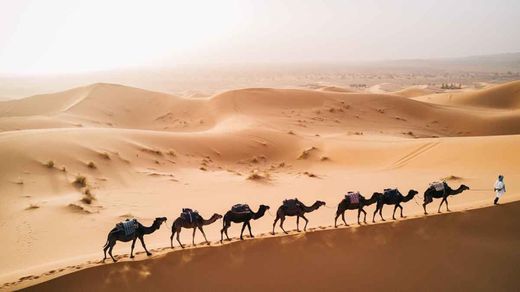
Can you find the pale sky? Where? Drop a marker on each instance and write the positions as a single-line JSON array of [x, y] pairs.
[[59, 36]]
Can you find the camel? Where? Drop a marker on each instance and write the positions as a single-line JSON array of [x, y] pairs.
[[118, 234], [242, 217], [199, 222], [392, 199], [431, 193], [298, 210], [346, 205]]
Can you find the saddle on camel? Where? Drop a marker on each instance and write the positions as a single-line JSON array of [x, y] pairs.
[[240, 208], [189, 215], [129, 226], [438, 186], [292, 204], [391, 192], [353, 197]]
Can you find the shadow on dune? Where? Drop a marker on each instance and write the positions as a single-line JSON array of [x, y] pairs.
[[475, 250]]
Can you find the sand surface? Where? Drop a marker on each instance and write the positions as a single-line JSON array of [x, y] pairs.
[[450, 252], [148, 154]]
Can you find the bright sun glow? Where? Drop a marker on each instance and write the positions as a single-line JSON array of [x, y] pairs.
[[61, 36], [54, 36]]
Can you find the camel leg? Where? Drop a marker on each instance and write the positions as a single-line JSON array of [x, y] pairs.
[[306, 221], [224, 229], [242, 231], [447, 208], [395, 208], [274, 223], [358, 213], [424, 207], [105, 250], [298, 223], [442, 201], [204, 234], [374, 217], [228, 224], [178, 240], [171, 238], [365, 216], [132, 250], [144, 246], [110, 251], [193, 237], [343, 218], [249, 227], [282, 219], [381, 212], [401, 207], [336, 219]]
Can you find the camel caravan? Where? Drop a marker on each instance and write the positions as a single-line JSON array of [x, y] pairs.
[[131, 230]]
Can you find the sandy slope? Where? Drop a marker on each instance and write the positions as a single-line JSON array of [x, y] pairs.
[[151, 154], [414, 91], [502, 96], [451, 252]]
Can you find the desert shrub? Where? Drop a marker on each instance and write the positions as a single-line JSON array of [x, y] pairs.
[[80, 181], [88, 197], [105, 155]]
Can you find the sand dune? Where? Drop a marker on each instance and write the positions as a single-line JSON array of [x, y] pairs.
[[502, 96], [89, 157], [444, 253], [336, 89], [106, 105], [414, 91]]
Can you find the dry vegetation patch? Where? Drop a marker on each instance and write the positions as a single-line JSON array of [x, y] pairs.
[[80, 181]]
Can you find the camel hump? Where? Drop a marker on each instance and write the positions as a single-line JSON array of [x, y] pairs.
[[129, 226], [438, 186], [291, 203], [240, 208], [390, 192], [353, 197], [189, 215]]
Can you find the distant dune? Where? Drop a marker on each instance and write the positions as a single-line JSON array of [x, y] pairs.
[[502, 96], [414, 91]]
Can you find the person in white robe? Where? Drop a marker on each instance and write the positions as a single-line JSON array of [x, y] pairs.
[[500, 188]]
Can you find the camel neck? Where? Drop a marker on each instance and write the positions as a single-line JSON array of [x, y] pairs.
[[209, 221], [408, 197], [259, 213], [150, 229], [311, 208]]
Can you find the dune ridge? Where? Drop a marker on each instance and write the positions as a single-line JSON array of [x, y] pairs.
[[502, 96], [457, 245], [116, 106], [89, 157]]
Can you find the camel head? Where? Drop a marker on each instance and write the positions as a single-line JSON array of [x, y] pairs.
[[217, 216], [158, 221], [319, 203], [261, 212], [464, 187], [412, 193], [264, 207]]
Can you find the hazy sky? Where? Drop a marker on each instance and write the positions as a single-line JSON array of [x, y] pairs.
[[53, 36]]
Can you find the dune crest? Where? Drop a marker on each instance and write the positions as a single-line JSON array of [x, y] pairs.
[[86, 158]]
